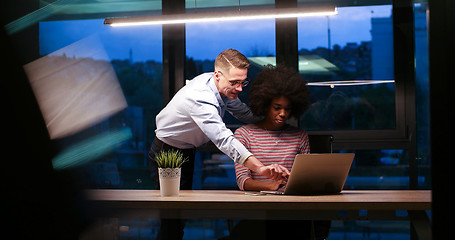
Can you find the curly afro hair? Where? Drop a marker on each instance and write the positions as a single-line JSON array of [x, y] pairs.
[[274, 82]]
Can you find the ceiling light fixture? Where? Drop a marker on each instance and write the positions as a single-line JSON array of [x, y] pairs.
[[222, 16], [333, 84]]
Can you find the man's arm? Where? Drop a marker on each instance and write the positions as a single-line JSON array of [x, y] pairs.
[[242, 112], [275, 172]]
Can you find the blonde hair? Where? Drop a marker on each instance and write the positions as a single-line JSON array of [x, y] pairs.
[[231, 58]]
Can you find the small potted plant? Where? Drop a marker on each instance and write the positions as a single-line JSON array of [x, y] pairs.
[[169, 168]]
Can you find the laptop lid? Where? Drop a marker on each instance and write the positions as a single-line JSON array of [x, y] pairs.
[[314, 174]]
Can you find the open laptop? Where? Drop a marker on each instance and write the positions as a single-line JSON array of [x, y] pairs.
[[315, 174]]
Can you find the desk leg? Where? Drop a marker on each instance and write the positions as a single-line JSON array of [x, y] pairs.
[[421, 224]]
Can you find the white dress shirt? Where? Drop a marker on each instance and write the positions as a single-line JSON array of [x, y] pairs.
[[194, 117]]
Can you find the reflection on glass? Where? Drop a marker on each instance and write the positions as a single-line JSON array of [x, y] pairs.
[[82, 58], [74, 89], [90, 149]]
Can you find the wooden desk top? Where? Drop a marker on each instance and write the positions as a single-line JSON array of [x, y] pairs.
[[238, 200]]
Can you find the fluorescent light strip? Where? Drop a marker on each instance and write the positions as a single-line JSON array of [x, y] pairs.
[[220, 16], [348, 83]]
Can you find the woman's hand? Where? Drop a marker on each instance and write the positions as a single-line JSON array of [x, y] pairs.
[[256, 185], [275, 171]]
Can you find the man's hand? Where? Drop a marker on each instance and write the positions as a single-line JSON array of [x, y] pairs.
[[275, 172]]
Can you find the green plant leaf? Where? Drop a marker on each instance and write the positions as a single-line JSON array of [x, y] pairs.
[[170, 159]]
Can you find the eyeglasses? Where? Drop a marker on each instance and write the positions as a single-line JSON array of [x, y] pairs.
[[237, 82]]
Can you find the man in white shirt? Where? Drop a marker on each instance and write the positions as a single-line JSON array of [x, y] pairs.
[[194, 116]]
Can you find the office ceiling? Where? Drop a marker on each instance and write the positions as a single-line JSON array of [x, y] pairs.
[[76, 9]]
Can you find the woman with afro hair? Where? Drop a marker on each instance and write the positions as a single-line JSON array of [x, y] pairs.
[[274, 82], [277, 93]]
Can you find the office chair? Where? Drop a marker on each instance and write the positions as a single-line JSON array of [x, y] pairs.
[[321, 143]]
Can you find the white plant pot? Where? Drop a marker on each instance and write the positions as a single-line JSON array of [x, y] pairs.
[[169, 181]]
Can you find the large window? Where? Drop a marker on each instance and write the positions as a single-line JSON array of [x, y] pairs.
[[348, 61]]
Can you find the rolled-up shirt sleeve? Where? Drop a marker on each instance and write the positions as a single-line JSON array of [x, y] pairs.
[[205, 114]]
